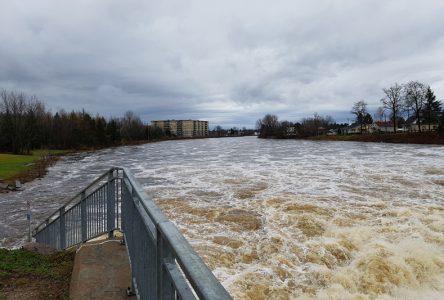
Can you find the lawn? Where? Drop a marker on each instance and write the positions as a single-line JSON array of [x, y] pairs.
[[11, 165], [30, 275]]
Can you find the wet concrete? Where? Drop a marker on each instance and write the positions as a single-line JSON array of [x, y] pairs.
[[101, 271]]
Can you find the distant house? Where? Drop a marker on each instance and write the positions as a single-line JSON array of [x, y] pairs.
[[381, 126], [413, 126], [354, 128], [332, 132], [321, 130], [290, 131]]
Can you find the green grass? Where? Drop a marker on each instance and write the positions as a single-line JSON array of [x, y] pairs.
[[11, 164], [24, 262], [21, 268]]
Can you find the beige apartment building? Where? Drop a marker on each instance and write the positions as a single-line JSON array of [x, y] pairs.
[[183, 128]]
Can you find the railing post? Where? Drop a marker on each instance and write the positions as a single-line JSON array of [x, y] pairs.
[[165, 289], [62, 228], [83, 217], [111, 205], [46, 233]]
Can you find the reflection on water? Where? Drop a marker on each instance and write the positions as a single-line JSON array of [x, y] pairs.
[[282, 219]]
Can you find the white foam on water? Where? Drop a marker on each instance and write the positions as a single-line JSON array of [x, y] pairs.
[[292, 219]]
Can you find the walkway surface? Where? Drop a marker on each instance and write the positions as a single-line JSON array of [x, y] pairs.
[[101, 271]]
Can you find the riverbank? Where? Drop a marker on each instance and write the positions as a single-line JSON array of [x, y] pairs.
[[28, 274], [25, 168], [400, 138]]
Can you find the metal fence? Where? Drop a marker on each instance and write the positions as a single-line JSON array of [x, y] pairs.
[[163, 263]]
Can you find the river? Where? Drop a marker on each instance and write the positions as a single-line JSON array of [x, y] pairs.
[[280, 219]]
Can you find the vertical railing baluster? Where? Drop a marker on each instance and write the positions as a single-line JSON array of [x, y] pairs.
[[67, 226], [99, 215], [94, 214], [62, 228], [83, 216], [46, 231], [165, 288], [110, 205]]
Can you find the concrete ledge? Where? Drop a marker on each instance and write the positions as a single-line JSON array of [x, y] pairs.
[[101, 271]]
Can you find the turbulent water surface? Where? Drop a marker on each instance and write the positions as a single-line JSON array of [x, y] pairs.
[[277, 219]]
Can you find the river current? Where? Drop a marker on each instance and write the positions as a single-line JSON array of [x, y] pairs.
[[280, 219]]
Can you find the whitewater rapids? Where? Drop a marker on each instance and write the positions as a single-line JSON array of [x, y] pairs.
[[278, 219]]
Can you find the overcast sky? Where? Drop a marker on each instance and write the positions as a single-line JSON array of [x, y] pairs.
[[229, 62]]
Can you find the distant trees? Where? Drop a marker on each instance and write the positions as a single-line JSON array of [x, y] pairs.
[[269, 126], [393, 102], [415, 98], [26, 125], [368, 120], [131, 127], [218, 131], [315, 125], [431, 109], [380, 114], [20, 121], [363, 118], [441, 124], [154, 133]]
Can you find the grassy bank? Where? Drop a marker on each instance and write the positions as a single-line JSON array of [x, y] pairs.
[[29, 275], [27, 167], [404, 138]]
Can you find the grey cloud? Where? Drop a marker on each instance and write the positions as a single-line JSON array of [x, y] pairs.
[[229, 62]]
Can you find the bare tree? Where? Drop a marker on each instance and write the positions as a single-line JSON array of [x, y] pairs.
[[415, 98], [360, 111], [269, 126], [380, 114], [393, 102], [14, 111], [132, 127], [315, 125]]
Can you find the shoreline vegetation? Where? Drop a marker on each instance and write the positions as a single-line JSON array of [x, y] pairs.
[[26, 126], [25, 168], [400, 138], [35, 272], [409, 113], [325, 129]]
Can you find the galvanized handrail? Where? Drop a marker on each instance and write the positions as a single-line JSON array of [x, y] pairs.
[[163, 263]]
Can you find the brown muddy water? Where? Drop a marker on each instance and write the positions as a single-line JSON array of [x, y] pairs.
[[281, 219]]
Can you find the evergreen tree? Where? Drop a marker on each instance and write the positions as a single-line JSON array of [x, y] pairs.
[[113, 131], [432, 107], [441, 124], [368, 120]]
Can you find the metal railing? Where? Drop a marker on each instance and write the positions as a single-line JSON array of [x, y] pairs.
[[163, 263]]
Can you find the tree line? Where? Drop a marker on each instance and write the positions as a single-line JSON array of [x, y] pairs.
[[400, 102], [218, 131], [270, 127], [413, 100], [26, 124]]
